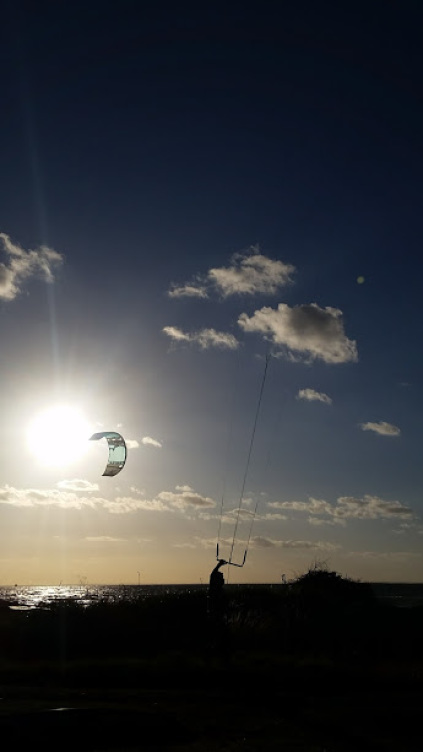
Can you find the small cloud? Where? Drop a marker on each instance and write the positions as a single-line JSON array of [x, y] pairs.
[[249, 273], [312, 506], [370, 508], [131, 443], [176, 334], [310, 395], [400, 556], [103, 539], [21, 265], [129, 504], [307, 329], [184, 497], [347, 507], [77, 484], [205, 338], [382, 428], [138, 491], [261, 542], [147, 440], [188, 291]]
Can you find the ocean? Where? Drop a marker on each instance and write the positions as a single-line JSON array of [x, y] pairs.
[[405, 595]]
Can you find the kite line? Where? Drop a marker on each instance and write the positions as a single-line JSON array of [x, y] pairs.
[[244, 480]]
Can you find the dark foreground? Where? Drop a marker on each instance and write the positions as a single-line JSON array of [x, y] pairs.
[[294, 671]]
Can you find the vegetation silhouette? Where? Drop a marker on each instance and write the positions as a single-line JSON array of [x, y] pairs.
[[316, 663]]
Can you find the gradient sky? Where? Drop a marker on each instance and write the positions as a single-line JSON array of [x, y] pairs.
[[185, 191]]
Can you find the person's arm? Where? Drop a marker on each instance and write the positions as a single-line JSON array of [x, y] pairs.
[[220, 563]]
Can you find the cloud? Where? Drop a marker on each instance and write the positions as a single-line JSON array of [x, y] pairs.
[[31, 497], [311, 395], [205, 338], [394, 555], [193, 290], [348, 507], [129, 504], [261, 542], [147, 440], [77, 484], [21, 265], [103, 539], [249, 273], [317, 332], [138, 491], [370, 508], [131, 443], [184, 497], [382, 428], [312, 506]]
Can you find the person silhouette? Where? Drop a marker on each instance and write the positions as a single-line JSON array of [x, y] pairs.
[[216, 585], [219, 643]]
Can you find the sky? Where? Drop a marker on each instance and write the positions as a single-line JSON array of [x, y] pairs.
[[211, 243]]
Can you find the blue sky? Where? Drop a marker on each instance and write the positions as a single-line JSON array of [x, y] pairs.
[[184, 193]]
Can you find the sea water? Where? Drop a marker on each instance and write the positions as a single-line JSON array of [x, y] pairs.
[[32, 597]]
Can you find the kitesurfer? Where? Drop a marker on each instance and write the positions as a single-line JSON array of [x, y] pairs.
[[219, 643], [216, 585]]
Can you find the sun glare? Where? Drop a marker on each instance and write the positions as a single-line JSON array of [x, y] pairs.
[[59, 436]]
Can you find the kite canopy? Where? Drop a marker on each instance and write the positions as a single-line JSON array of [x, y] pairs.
[[117, 451]]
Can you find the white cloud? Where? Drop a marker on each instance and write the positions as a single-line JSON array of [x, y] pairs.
[[184, 497], [370, 508], [77, 484], [382, 428], [21, 265], [176, 334], [309, 329], [312, 506], [347, 507], [103, 539], [147, 440], [132, 443], [31, 497], [205, 338], [193, 290], [249, 273], [138, 491], [310, 395], [129, 504]]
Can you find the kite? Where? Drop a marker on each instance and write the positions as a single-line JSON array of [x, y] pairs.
[[117, 451]]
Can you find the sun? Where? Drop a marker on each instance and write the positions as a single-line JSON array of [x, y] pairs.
[[59, 436]]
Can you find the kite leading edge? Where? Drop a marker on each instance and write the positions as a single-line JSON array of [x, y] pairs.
[[117, 451]]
